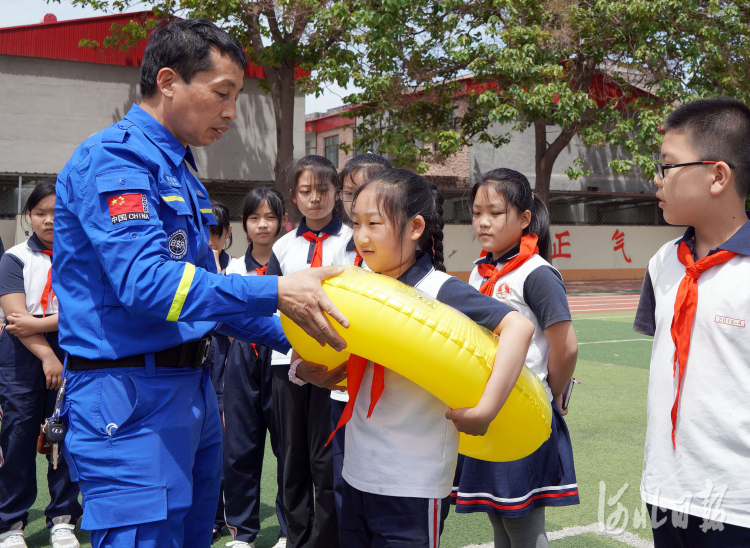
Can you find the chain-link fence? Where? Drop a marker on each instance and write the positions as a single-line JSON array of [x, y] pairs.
[[573, 208], [9, 189]]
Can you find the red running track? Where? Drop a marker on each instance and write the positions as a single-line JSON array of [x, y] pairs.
[[603, 302]]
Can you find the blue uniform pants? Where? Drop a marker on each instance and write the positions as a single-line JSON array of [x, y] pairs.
[[26, 403], [337, 445], [217, 357], [145, 447], [380, 521], [248, 413]]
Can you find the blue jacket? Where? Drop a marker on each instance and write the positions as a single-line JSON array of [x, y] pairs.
[[132, 269]]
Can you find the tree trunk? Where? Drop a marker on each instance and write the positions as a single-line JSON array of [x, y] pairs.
[[542, 164], [546, 154], [284, 113]]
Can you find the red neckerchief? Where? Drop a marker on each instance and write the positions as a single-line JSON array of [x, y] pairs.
[[684, 312], [310, 236], [528, 248], [358, 259], [260, 271], [355, 371], [48, 294]]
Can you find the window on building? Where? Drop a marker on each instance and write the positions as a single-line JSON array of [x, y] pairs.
[[332, 149], [453, 121], [311, 145]]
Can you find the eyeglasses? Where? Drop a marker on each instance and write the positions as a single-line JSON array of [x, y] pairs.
[[661, 168], [346, 196]]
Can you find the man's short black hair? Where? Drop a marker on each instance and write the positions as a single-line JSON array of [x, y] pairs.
[[184, 45], [717, 129]]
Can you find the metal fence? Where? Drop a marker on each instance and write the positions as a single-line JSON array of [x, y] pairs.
[[565, 208], [11, 188], [573, 208]]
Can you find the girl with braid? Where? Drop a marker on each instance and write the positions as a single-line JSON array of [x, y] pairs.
[[513, 228], [399, 463]]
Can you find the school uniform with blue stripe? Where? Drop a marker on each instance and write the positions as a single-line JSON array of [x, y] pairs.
[[547, 476], [248, 413], [27, 402]]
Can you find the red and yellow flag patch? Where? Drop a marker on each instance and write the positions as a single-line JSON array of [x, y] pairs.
[[128, 207]]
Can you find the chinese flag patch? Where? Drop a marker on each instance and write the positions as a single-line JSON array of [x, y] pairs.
[[128, 207]]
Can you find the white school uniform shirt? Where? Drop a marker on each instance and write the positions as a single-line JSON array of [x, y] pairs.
[[407, 448], [24, 269], [537, 291], [244, 266], [292, 253], [708, 475]]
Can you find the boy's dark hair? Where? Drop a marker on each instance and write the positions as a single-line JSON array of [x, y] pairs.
[[368, 165], [515, 189], [323, 172], [717, 129], [402, 195], [221, 212], [255, 198], [184, 45], [42, 190]]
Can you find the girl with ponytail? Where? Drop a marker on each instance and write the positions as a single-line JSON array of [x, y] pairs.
[[512, 225], [401, 441]]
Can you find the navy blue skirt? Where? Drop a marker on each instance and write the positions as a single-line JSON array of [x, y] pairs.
[[513, 489]]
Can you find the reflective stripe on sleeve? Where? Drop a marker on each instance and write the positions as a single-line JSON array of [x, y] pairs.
[[174, 199], [208, 210], [181, 294]]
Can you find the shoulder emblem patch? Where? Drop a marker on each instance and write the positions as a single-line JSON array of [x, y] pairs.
[[128, 207], [178, 244]]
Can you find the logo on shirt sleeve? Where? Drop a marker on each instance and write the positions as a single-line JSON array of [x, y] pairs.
[[128, 207], [178, 244]]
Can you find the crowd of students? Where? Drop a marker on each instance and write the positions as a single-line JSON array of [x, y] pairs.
[[392, 469]]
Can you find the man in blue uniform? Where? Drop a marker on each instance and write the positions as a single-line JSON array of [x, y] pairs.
[[138, 294]]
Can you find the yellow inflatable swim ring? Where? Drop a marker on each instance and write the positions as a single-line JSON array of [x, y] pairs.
[[436, 347]]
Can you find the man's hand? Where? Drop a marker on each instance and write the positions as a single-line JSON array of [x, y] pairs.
[[53, 372], [319, 375], [23, 325], [302, 299]]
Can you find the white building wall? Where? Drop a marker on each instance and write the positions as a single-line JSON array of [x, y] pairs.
[[49, 107]]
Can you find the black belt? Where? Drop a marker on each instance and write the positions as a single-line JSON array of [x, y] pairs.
[[190, 354]]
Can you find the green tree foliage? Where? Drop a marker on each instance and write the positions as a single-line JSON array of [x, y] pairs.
[[279, 36], [541, 64]]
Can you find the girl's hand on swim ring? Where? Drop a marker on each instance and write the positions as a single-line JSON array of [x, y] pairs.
[[469, 420], [319, 375]]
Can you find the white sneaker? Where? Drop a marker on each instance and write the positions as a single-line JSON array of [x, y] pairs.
[[61, 536], [281, 543], [12, 539], [241, 544]]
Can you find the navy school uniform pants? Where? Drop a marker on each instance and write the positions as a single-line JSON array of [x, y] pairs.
[[379, 521], [303, 421], [26, 403], [217, 357], [672, 532], [248, 413], [145, 446], [337, 446]]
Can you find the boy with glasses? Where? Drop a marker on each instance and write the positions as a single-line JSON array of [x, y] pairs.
[[695, 304]]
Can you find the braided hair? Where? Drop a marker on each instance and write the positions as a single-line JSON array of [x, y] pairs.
[[402, 195]]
